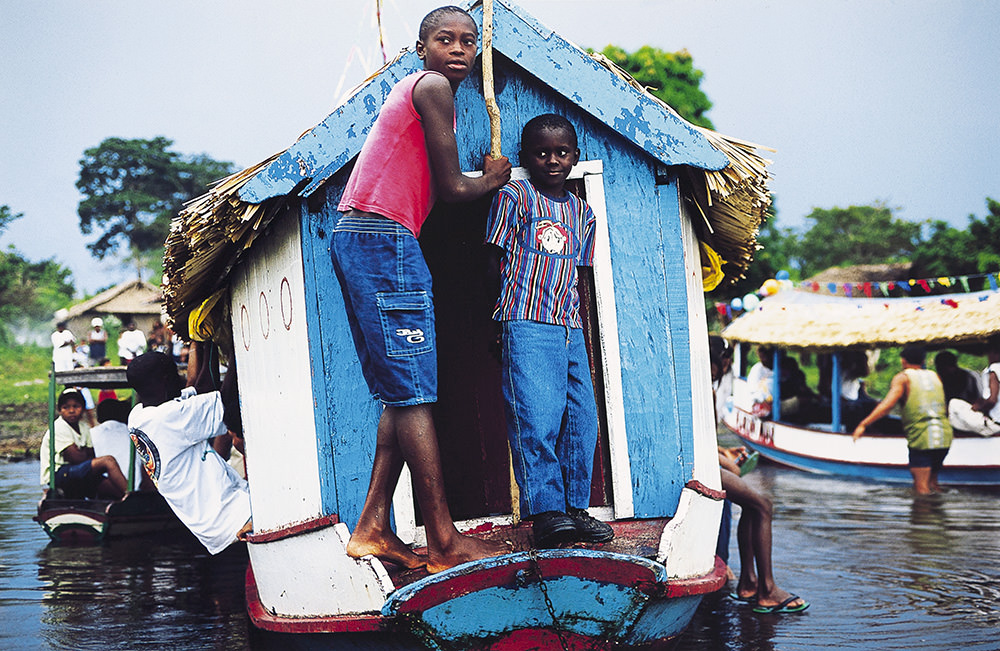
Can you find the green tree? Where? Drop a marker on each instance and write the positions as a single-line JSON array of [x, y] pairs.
[[133, 188], [29, 291], [671, 76], [841, 237], [949, 251]]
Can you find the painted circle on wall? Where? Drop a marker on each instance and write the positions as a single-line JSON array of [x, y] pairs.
[[245, 326], [265, 316], [285, 296]]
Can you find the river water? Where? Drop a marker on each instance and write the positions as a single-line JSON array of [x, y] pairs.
[[882, 571]]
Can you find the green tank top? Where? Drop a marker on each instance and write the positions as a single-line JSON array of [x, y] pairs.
[[925, 418]]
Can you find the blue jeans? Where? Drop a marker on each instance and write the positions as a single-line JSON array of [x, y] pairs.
[[551, 414], [390, 307]]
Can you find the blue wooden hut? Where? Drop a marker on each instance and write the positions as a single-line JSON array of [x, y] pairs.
[[257, 248]]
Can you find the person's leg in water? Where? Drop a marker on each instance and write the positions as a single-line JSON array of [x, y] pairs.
[[407, 433], [754, 537]]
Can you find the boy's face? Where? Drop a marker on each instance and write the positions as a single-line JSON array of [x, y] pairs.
[[71, 411], [549, 157], [450, 47]]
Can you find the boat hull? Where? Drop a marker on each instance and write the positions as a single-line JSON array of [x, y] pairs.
[[971, 461], [87, 522], [546, 599]]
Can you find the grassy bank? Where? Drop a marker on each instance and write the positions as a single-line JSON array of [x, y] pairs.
[[24, 395]]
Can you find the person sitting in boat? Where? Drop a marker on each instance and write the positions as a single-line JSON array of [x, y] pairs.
[[172, 427], [79, 473], [111, 437], [756, 584], [538, 234], [760, 380], [958, 382], [924, 418], [981, 415], [855, 403], [799, 403]]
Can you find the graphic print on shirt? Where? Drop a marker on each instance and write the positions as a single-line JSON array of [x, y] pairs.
[[147, 451], [551, 237]]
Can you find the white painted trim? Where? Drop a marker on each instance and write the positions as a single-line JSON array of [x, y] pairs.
[[607, 318], [705, 452]]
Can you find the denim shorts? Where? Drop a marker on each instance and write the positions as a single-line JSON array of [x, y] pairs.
[[932, 459], [75, 480], [390, 306]]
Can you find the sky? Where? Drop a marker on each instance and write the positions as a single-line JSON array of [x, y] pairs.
[[864, 101]]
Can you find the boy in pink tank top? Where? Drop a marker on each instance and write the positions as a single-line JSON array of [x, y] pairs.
[[409, 158]]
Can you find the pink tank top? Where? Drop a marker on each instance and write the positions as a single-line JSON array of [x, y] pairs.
[[392, 176]]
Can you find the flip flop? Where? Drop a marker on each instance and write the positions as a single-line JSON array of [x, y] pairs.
[[783, 607], [747, 600]]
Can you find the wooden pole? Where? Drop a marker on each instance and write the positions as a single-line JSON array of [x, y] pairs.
[[491, 102], [494, 112]]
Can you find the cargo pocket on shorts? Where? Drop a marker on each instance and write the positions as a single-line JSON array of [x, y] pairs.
[[407, 322]]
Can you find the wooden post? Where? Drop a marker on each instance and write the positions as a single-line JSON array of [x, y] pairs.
[[494, 112], [491, 102]]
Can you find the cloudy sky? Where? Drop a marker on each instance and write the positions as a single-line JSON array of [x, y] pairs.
[[864, 100]]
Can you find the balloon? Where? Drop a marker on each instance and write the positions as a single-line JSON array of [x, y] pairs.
[[771, 286], [786, 284], [750, 302], [781, 275], [736, 303]]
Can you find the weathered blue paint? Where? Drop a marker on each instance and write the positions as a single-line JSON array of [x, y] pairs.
[[645, 242], [583, 606], [661, 619], [561, 65], [345, 413], [570, 72]]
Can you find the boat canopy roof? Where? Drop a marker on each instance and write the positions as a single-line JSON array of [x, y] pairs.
[[799, 319]]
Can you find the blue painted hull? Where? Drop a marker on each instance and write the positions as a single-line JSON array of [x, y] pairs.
[[572, 598]]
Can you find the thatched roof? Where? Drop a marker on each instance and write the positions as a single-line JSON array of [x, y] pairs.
[[208, 237], [796, 319], [129, 297], [862, 273]]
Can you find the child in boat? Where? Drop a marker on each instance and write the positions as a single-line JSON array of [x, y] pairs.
[[172, 428], [540, 233], [79, 472], [409, 158]]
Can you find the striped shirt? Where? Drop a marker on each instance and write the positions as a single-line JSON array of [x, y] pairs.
[[544, 239]]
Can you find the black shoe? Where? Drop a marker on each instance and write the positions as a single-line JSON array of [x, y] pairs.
[[550, 528], [588, 528]]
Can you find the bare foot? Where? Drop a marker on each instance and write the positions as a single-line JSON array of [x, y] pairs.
[[385, 548], [462, 550]]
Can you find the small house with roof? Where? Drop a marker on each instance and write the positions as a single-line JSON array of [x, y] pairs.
[[663, 191], [137, 300]]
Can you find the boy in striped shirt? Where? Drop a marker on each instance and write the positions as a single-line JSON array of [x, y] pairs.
[[541, 233]]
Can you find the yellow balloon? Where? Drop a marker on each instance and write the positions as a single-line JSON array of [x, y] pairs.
[[771, 286]]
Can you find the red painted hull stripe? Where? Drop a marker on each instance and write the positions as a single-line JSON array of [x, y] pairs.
[[294, 529]]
